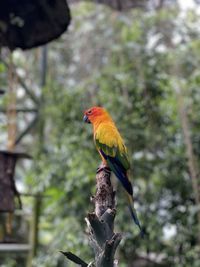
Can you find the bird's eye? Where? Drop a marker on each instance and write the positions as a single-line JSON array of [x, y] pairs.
[[89, 111]]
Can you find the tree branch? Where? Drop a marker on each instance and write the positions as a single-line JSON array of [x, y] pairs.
[[22, 83], [74, 258]]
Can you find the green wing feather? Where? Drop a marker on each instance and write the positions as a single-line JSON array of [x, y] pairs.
[[118, 163], [111, 143]]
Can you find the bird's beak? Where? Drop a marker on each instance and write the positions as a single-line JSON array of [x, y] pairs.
[[85, 119]]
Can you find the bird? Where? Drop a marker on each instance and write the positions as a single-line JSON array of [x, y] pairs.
[[112, 150]]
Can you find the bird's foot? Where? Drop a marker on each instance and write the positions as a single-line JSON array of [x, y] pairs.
[[103, 168]]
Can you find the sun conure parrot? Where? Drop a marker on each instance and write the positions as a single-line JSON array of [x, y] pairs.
[[112, 150]]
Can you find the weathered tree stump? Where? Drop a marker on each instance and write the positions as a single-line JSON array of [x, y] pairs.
[[100, 223]]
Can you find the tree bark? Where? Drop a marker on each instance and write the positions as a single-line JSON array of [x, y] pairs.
[[103, 240]]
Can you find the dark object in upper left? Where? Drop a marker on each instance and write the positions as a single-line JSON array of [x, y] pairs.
[[29, 23]]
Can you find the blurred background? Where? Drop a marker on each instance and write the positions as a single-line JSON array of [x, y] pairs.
[[141, 61]]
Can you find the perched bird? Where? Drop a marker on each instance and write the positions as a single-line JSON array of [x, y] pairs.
[[112, 150]]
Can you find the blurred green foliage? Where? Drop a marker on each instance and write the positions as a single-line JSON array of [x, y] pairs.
[[129, 64]]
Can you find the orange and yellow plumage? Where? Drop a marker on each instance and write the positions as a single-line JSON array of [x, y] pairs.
[[112, 149]]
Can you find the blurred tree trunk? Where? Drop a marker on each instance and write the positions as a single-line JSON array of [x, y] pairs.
[[178, 81], [34, 239], [192, 161]]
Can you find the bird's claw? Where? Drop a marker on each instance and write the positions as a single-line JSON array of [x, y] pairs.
[[104, 168]]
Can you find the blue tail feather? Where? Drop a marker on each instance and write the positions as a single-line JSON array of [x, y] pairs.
[[119, 171], [136, 220], [134, 215]]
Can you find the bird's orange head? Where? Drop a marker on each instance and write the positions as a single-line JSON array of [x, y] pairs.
[[95, 114]]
